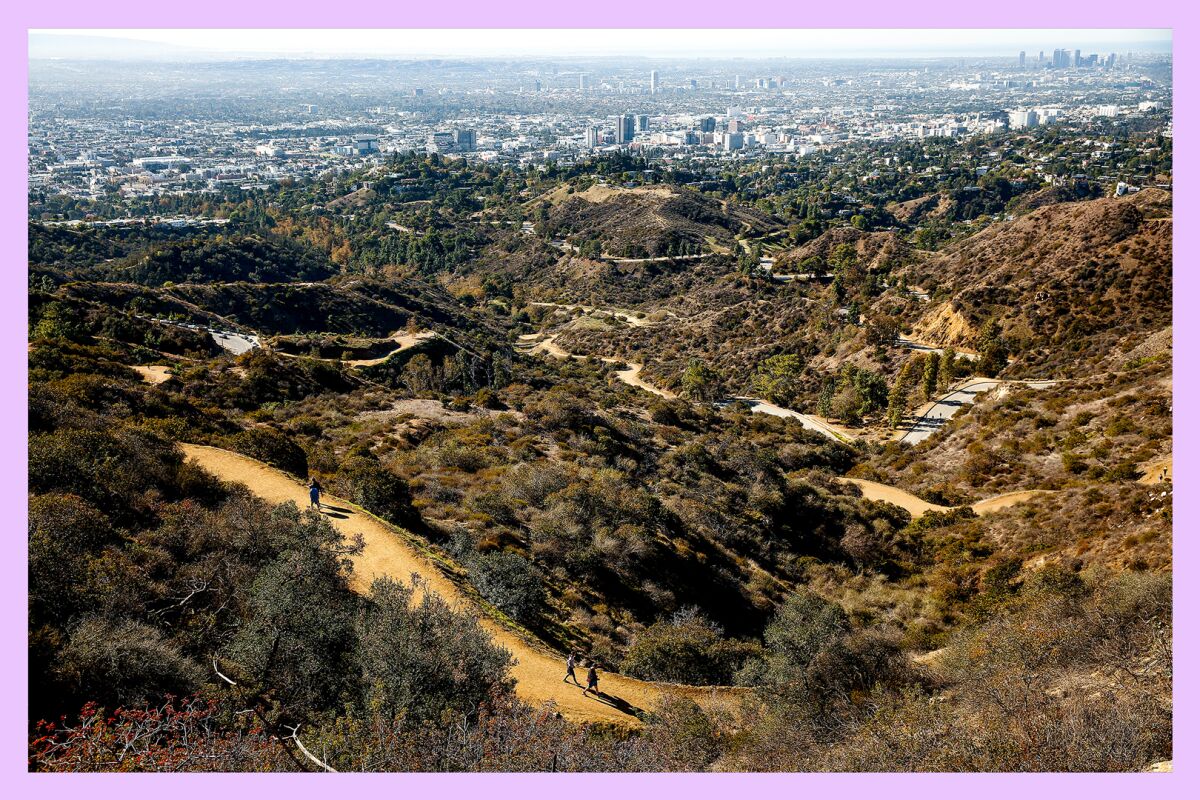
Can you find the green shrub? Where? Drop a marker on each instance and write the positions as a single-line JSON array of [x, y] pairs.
[[686, 649], [510, 582], [270, 445]]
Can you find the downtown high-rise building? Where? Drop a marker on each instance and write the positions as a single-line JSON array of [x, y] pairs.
[[653, 81], [643, 122], [583, 80], [464, 140], [624, 124], [591, 137], [1021, 60]]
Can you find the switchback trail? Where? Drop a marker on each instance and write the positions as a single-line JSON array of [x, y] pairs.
[[388, 553], [629, 375], [402, 340], [918, 507], [534, 343]]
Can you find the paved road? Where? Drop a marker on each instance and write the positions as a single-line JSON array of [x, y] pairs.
[[921, 347], [234, 342], [935, 414]]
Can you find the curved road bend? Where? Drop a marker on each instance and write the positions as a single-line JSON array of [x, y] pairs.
[[938, 413]]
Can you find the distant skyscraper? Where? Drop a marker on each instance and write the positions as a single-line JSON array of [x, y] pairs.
[[692, 84], [624, 123], [591, 137], [643, 122], [708, 125], [653, 81], [583, 80], [1078, 61], [1021, 60], [537, 85], [464, 141], [1041, 56], [737, 81]]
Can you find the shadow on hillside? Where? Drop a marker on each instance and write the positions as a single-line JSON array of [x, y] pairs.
[[616, 702]]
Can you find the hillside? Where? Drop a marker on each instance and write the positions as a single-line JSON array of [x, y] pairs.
[[878, 251], [1066, 282], [592, 425], [651, 221], [252, 259]]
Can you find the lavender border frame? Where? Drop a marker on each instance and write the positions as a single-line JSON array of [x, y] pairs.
[[609, 14]]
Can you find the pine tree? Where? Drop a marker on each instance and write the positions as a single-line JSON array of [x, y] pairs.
[[898, 396], [929, 380], [947, 370]]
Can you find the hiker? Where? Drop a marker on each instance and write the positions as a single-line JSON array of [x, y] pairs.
[[593, 681], [571, 670], [314, 494]]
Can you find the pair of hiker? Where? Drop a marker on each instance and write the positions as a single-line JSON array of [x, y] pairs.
[[314, 494], [593, 679]]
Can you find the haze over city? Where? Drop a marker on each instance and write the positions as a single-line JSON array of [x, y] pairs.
[[469, 43]]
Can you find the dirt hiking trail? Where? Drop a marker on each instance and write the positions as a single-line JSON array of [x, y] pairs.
[[918, 507], [538, 671], [153, 374]]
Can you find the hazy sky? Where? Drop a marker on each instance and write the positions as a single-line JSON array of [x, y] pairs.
[[749, 43]]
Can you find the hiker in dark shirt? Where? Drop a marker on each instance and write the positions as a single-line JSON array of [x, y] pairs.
[[593, 681], [314, 494]]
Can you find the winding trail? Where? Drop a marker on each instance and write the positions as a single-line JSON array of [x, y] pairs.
[[403, 342], [918, 507], [391, 552], [807, 421], [631, 375], [625, 316]]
